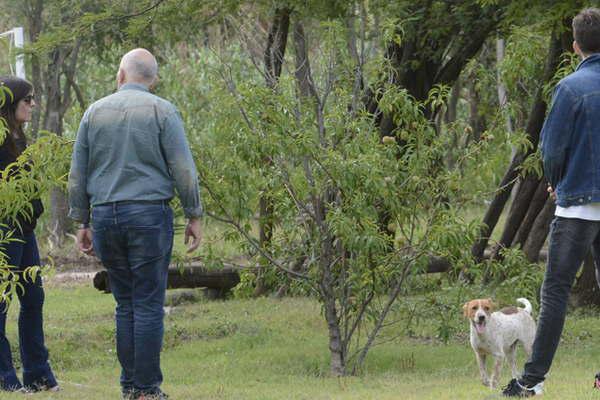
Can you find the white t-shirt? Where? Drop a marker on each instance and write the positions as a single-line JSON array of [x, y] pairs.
[[588, 212]]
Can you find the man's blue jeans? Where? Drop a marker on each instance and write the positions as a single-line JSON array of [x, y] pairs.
[[134, 242], [34, 355], [570, 240]]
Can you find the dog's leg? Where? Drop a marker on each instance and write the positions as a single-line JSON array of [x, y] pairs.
[[481, 361], [512, 359], [498, 359], [528, 343]]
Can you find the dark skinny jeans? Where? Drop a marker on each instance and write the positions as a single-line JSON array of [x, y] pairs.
[[570, 241]]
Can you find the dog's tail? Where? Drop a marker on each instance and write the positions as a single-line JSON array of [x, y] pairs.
[[526, 303]]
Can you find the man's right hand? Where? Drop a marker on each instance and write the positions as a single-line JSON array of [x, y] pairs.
[[193, 231], [84, 241]]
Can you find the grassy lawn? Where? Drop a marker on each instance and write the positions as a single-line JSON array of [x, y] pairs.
[[276, 349]]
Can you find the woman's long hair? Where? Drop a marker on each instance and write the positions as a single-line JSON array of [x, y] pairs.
[[18, 90]]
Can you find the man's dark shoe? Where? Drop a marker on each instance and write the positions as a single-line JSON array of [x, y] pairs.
[[518, 389], [597, 381]]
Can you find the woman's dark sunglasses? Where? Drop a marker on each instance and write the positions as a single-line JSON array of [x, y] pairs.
[[28, 99]]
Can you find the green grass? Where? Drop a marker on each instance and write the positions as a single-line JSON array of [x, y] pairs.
[[266, 349]]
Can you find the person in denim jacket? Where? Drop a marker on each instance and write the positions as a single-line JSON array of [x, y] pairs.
[[130, 155], [570, 146]]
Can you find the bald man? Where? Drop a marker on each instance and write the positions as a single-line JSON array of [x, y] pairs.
[[130, 155]]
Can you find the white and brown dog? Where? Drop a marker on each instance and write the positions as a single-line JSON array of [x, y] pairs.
[[498, 333]]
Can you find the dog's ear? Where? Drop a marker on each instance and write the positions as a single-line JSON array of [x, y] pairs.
[[491, 304], [466, 309]]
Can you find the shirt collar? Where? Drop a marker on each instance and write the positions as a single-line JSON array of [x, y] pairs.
[[592, 59], [134, 86]]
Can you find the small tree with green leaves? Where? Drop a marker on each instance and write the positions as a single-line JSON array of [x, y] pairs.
[[330, 173]]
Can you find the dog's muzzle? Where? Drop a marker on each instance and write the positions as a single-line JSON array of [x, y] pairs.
[[480, 324]]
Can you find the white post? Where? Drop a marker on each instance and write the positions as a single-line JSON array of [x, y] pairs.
[[19, 43]]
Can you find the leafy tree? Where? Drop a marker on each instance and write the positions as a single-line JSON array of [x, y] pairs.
[[328, 171]]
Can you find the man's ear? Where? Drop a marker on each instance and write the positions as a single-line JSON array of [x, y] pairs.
[[120, 77], [154, 83]]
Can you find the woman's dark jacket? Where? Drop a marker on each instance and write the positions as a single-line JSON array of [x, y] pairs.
[[26, 223]]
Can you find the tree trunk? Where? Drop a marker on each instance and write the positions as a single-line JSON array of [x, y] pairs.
[[586, 291], [337, 347], [273, 62], [53, 122], [451, 112], [492, 215], [535, 207], [517, 213], [276, 44], [502, 94], [222, 280], [34, 22], [476, 120], [539, 231]]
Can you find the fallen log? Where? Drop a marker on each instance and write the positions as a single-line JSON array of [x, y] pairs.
[[218, 283], [439, 264]]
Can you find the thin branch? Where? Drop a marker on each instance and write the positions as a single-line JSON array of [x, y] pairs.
[[229, 220], [142, 12]]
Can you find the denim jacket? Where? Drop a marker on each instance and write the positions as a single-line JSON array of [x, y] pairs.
[[131, 146], [570, 137]]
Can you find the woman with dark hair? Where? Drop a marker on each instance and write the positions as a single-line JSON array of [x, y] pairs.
[[37, 374]]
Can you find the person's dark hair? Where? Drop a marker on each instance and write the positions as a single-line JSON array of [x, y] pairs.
[[586, 30], [18, 90]]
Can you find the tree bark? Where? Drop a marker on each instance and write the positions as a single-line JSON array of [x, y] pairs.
[[222, 280], [586, 291], [535, 207], [501, 88], [306, 90], [276, 44], [62, 63], [53, 122], [451, 112], [273, 62], [517, 212], [303, 74], [492, 215], [476, 120], [34, 27], [337, 346], [539, 231]]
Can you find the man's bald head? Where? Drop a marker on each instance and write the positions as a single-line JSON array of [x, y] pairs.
[[138, 66]]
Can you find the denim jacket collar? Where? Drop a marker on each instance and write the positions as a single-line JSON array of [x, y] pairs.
[[588, 61], [139, 86]]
